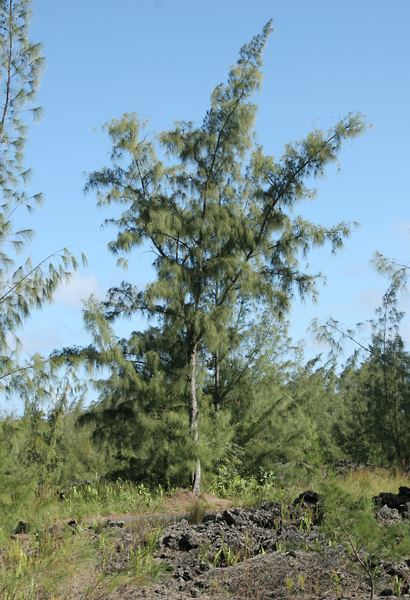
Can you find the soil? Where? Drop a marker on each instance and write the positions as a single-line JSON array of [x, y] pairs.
[[184, 500], [262, 553]]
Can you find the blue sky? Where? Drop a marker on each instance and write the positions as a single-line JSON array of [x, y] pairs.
[[161, 59]]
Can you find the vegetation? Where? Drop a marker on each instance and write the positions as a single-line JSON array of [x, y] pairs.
[[374, 385], [213, 386], [212, 394], [60, 561], [57, 563], [220, 220], [29, 445], [351, 521], [23, 286]]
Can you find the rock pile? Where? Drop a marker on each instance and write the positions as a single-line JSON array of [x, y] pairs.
[[226, 538], [393, 507]]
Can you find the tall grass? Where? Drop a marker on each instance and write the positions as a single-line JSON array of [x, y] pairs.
[[101, 499], [111, 498], [44, 567], [283, 488], [366, 483], [60, 564]]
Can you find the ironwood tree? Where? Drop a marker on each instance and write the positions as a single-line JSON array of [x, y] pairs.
[[220, 217], [23, 285], [373, 388]]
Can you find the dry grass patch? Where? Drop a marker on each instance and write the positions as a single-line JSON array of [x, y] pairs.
[[366, 483]]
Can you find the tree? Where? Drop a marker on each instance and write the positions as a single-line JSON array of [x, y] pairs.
[[374, 385], [351, 522], [219, 219], [28, 446], [138, 420], [24, 286]]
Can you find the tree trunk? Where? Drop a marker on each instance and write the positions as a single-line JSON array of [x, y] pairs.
[[193, 420], [217, 382]]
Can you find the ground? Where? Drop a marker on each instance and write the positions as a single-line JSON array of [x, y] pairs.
[[204, 549]]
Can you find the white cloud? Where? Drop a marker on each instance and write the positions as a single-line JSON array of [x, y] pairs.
[[78, 288]]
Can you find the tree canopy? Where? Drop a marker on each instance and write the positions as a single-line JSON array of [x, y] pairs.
[[219, 216]]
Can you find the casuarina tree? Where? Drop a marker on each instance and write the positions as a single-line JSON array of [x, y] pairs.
[[373, 424], [220, 217], [24, 285]]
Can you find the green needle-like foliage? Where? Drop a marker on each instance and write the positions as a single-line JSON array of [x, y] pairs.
[[28, 449], [353, 524], [24, 285], [219, 216], [374, 392]]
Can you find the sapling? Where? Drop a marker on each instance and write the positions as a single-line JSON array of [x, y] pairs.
[[352, 523]]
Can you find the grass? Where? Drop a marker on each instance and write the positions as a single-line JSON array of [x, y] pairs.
[[143, 567], [111, 498], [82, 501], [366, 483], [197, 511], [57, 563], [349, 520], [45, 566], [61, 565], [363, 483], [53, 563]]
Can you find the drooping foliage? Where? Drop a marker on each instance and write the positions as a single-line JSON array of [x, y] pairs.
[[374, 387], [23, 285], [28, 445], [213, 383], [219, 217]]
